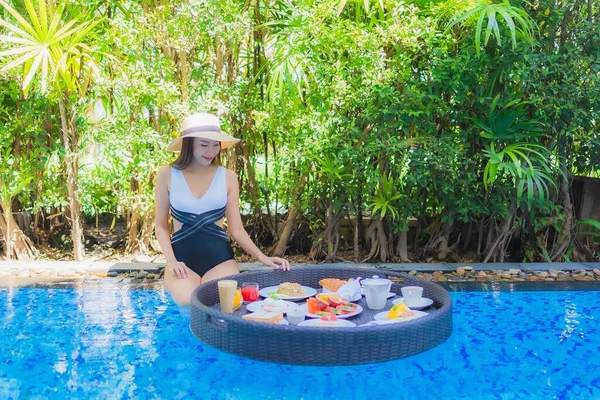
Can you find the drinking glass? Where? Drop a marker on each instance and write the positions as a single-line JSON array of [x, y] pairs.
[[227, 289], [250, 291]]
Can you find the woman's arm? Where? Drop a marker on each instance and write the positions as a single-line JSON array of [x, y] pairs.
[[161, 223], [236, 227]]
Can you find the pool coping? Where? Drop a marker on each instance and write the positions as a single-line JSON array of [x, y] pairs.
[[149, 274]]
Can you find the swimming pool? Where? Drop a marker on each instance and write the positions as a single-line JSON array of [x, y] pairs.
[[106, 341]]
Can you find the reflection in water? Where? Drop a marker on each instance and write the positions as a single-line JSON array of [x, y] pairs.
[[571, 321]]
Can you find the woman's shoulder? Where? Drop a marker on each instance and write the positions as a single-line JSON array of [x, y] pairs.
[[165, 169], [229, 172], [164, 173], [230, 177]]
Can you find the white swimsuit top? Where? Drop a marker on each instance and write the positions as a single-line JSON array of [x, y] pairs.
[[181, 197]]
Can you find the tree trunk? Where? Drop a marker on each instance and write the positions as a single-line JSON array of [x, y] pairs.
[[132, 240], [288, 227], [72, 162], [565, 237], [402, 246], [326, 242], [376, 237], [496, 249], [17, 244], [290, 222], [356, 240], [439, 241]]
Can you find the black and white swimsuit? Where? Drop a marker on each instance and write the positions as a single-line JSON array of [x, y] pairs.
[[200, 243]]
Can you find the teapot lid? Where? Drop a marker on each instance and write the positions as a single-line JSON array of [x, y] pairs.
[[375, 281]]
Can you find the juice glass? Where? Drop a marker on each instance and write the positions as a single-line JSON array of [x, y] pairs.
[[227, 289], [250, 291]]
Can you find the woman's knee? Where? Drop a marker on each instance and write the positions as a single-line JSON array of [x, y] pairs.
[[181, 289]]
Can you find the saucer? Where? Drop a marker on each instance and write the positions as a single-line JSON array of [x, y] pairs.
[[423, 303]]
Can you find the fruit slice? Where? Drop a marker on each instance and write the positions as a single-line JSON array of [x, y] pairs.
[[394, 312], [335, 299], [399, 310], [324, 314], [312, 305], [346, 309], [322, 303]]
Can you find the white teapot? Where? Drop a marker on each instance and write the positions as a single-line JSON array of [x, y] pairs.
[[376, 291]]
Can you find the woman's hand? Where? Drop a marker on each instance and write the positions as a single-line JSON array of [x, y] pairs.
[[179, 269], [276, 262]]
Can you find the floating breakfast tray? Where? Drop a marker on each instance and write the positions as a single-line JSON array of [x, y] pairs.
[[306, 345]]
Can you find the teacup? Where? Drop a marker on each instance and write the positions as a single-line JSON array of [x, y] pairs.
[[412, 294], [294, 317]]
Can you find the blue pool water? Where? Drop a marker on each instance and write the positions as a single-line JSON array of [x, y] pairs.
[[107, 342]]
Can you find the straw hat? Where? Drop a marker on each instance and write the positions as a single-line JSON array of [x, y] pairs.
[[202, 125]]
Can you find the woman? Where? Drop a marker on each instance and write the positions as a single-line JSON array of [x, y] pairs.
[[199, 193]]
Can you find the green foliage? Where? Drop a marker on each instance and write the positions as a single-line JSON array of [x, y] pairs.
[[591, 223], [516, 19], [385, 108], [384, 199], [50, 44]]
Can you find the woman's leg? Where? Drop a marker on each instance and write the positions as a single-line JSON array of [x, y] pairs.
[[181, 289], [226, 268]]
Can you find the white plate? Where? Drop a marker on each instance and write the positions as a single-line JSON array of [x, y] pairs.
[[357, 311], [382, 316], [389, 296], [356, 298], [283, 322], [308, 292], [340, 323], [423, 303], [257, 306]]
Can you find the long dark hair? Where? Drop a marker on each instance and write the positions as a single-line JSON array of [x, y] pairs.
[[186, 155]]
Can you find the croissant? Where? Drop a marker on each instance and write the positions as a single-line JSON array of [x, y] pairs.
[[332, 284]]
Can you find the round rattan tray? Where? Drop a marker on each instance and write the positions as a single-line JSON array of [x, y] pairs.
[[290, 344]]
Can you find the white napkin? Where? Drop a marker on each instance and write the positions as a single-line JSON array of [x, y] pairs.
[[351, 290]]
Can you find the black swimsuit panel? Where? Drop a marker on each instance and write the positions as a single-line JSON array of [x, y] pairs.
[[202, 251], [200, 243]]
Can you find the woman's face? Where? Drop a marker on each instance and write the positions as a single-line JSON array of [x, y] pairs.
[[205, 150]]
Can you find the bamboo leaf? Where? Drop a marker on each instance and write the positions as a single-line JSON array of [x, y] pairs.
[[19, 32], [341, 6], [20, 60], [591, 222], [511, 25], [478, 33], [26, 25], [33, 69], [530, 191], [18, 50], [490, 26], [39, 32]]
